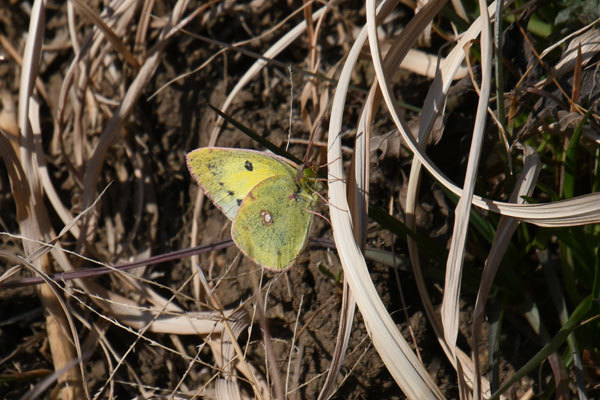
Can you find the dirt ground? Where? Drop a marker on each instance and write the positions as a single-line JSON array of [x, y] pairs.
[[302, 304]]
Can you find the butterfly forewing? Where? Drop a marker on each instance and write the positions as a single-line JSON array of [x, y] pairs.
[[228, 175]]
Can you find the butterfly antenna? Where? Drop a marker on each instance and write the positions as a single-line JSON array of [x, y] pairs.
[[327, 203], [327, 164]]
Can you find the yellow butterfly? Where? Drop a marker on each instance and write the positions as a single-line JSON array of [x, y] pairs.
[[269, 203]]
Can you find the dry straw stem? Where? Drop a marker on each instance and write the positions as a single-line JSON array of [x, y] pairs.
[[110, 35], [506, 227], [454, 265], [35, 223], [426, 64], [272, 52]]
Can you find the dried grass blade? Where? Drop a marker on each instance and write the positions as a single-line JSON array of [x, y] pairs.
[[450, 305], [341, 343], [111, 36], [272, 52], [35, 223], [357, 196], [113, 127], [506, 227], [357, 193], [254, 378], [396, 353], [580, 210], [226, 389], [454, 60]]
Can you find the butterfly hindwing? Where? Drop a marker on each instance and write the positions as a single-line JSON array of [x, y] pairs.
[[273, 222]]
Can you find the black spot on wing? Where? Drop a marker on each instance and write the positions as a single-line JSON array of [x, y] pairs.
[[231, 193], [239, 202], [248, 165]]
